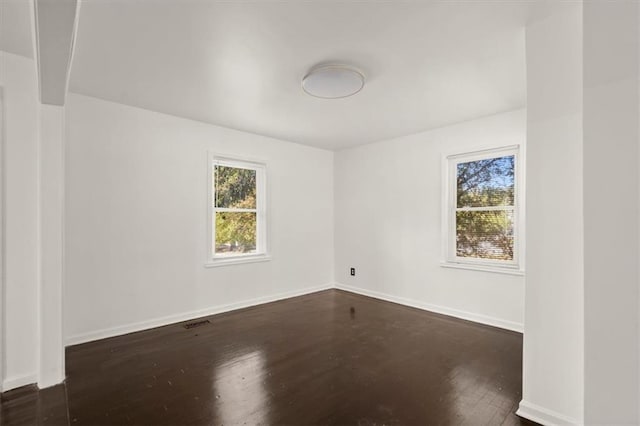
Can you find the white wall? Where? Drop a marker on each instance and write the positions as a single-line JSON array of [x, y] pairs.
[[611, 212], [51, 263], [136, 210], [388, 223], [19, 84], [553, 385]]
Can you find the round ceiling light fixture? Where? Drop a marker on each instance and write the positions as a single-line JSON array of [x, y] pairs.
[[333, 81]]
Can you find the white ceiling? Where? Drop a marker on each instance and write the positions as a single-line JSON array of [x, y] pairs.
[[239, 64], [15, 27]]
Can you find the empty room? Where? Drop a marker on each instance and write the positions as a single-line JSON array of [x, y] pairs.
[[343, 212]]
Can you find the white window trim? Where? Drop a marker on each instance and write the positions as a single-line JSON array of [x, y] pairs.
[[262, 254], [449, 175]]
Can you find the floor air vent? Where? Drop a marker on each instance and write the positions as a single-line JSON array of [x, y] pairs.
[[195, 324]]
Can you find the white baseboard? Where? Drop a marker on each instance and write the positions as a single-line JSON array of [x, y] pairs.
[[171, 319], [543, 416], [19, 381], [51, 378], [470, 316]]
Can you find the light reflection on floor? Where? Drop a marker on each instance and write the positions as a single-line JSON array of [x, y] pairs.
[[240, 392]]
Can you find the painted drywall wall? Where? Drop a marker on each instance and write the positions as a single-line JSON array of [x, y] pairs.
[[553, 386], [388, 223], [51, 262], [136, 212], [611, 212], [20, 171]]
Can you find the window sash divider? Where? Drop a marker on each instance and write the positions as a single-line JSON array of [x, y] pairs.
[[232, 210], [485, 209]]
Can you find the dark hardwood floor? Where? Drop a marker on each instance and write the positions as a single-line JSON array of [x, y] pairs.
[[329, 358]]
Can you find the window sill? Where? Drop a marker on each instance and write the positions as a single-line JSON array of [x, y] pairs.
[[237, 260], [483, 268]]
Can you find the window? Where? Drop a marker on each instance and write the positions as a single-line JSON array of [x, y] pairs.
[[237, 211], [483, 214]]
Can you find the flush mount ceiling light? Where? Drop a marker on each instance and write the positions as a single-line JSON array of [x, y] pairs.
[[333, 81]]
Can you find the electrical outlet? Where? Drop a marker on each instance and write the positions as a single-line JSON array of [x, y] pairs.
[[353, 272]]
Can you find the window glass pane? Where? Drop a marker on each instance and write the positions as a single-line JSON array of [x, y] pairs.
[[484, 234], [235, 233], [235, 187], [488, 182]]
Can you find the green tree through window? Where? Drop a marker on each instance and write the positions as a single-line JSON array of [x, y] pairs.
[[485, 203], [235, 203]]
